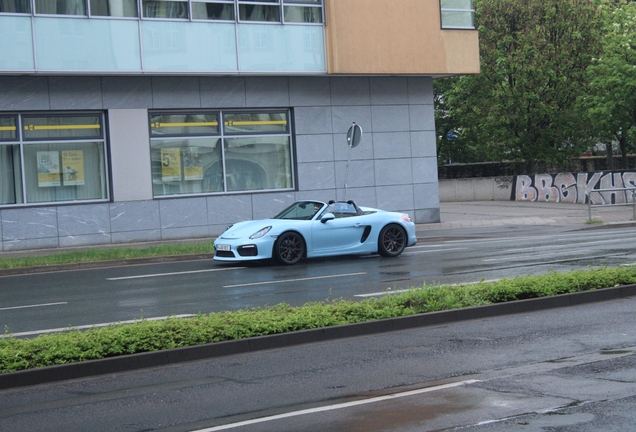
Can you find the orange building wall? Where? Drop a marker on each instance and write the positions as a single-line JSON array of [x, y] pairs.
[[396, 37]]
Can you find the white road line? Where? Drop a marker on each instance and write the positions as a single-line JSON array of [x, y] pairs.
[[34, 305], [294, 280], [336, 406], [174, 273], [84, 327]]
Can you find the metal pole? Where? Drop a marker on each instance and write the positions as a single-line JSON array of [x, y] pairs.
[[589, 208]]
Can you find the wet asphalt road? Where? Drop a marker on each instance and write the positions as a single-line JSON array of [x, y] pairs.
[[40, 302], [570, 369]]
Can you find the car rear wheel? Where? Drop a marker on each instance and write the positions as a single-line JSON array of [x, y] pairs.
[[289, 248], [392, 241]]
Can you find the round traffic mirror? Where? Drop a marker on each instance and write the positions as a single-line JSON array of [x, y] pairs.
[[354, 135]]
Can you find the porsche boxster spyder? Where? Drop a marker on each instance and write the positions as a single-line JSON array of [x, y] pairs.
[[308, 229]]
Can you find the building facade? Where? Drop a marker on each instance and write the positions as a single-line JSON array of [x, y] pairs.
[[133, 120]]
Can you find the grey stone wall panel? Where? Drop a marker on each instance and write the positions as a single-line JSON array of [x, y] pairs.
[[127, 92], [314, 148], [389, 90], [229, 209], [86, 219], [24, 93], [29, 224], [266, 92], [222, 92], [316, 175], [388, 145], [75, 93], [309, 91], [183, 212], [132, 216], [350, 91], [175, 92]]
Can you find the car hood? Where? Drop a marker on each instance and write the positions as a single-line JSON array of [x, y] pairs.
[[248, 228]]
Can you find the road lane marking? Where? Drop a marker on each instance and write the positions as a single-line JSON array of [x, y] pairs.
[[33, 306], [173, 273], [336, 406], [89, 326], [294, 280]]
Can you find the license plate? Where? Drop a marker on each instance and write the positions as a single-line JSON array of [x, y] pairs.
[[223, 247]]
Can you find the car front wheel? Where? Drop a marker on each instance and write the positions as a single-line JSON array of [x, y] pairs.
[[289, 248], [392, 241]]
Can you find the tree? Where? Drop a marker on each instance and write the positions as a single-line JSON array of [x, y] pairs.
[[612, 100], [524, 103]]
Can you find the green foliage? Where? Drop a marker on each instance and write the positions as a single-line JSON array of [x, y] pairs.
[[107, 254], [524, 105], [144, 336], [611, 101]]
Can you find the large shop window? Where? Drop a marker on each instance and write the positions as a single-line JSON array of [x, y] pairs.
[[457, 14], [220, 151], [47, 158]]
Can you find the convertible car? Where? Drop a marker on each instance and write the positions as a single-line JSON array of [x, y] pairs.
[[308, 229]]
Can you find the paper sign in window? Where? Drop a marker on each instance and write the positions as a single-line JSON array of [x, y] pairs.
[[170, 164], [48, 169], [192, 165], [73, 167]]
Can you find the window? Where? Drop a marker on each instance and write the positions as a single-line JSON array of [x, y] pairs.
[[264, 10], [64, 158], [15, 6], [213, 10], [217, 152], [457, 14], [114, 8], [164, 9], [299, 11], [60, 7]]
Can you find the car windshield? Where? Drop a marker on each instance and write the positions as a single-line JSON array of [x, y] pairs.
[[301, 210]]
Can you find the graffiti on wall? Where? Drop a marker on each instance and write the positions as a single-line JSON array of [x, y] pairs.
[[576, 187]]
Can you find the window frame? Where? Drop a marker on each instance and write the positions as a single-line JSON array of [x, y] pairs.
[[222, 136], [21, 190], [281, 5], [451, 27]]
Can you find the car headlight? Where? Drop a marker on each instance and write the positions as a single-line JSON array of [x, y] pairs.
[[260, 233], [230, 226]]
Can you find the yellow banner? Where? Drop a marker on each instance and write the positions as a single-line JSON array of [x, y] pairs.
[[73, 167], [170, 164]]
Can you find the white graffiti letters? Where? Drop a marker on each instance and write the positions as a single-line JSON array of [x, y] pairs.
[[576, 187]]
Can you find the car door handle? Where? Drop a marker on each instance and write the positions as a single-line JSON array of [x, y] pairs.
[[357, 225]]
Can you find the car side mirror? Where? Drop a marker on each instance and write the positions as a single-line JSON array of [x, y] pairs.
[[327, 217]]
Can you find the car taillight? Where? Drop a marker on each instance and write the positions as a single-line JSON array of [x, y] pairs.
[[406, 218]]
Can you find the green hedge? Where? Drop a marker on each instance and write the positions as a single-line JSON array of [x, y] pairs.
[[143, 336]]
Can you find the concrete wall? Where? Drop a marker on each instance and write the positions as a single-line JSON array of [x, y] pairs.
[[476, 189]]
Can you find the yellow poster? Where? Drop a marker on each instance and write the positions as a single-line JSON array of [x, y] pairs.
[[192, 167], [170, 164], [48, 168], [73, 167]]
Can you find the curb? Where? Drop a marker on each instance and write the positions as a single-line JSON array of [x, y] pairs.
[[132, 362]]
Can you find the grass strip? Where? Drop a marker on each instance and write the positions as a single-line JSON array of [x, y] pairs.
[[107, 254], [143, 336]]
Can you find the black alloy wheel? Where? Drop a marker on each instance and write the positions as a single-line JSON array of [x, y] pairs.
[[392, 241], [289, 248]]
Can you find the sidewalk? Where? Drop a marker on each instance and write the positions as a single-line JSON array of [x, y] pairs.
[[474, 214]]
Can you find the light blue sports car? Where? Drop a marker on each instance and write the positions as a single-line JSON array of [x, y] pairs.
[[308, 229]]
